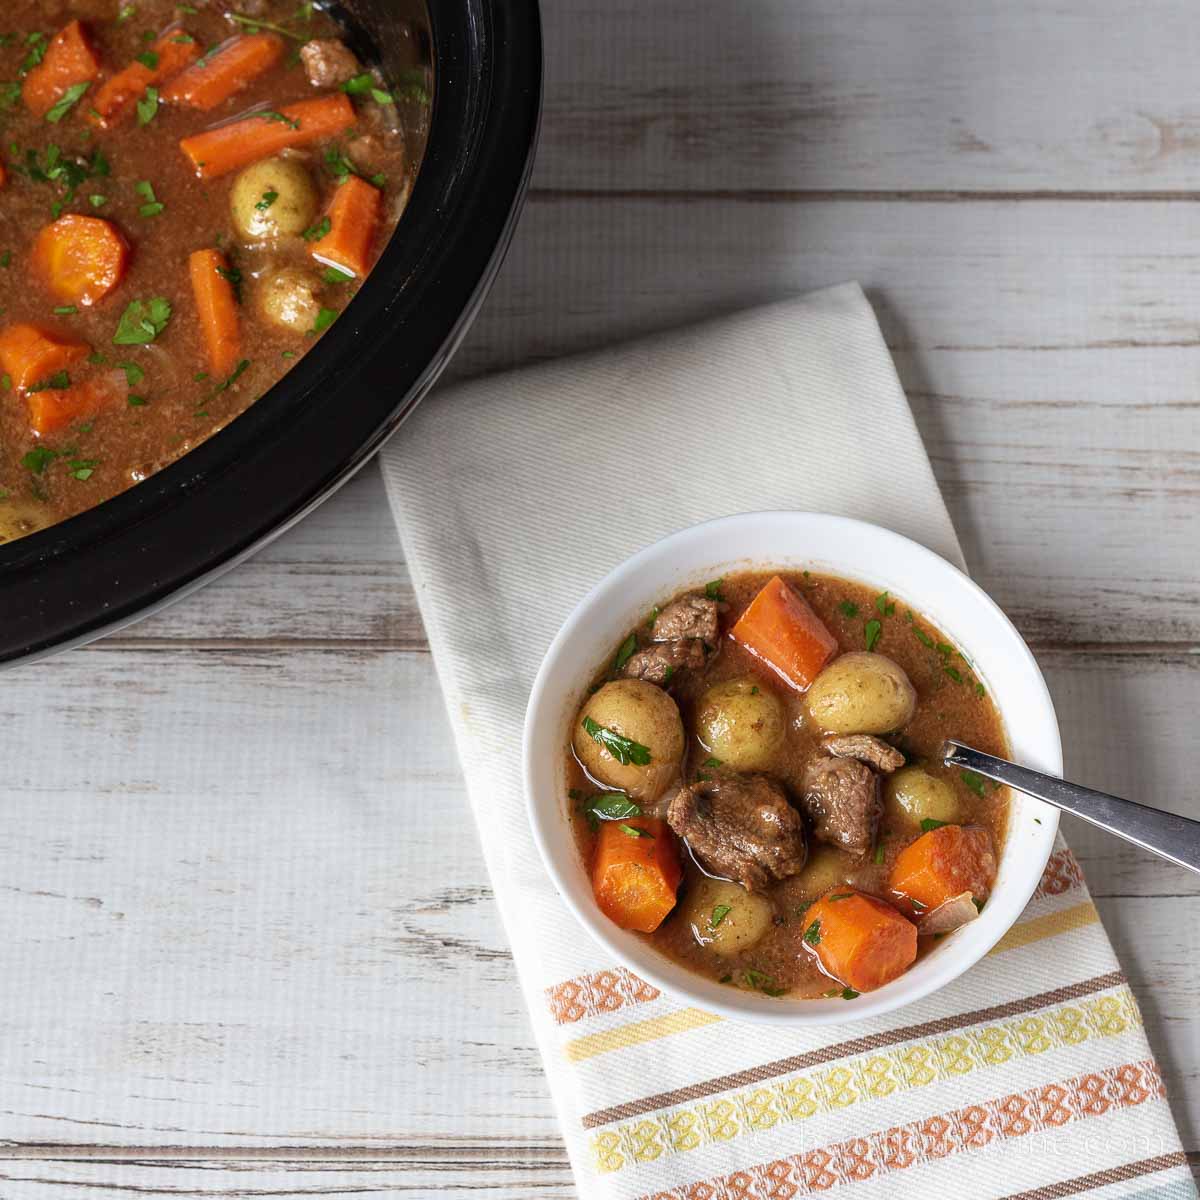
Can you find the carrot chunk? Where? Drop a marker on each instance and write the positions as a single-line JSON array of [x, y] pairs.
[[115, 98], [353, 217], [942, 864], [635, 874], [52, 409], [780, 628], [859, 940], [227, 147], [29, 355], [69, 60], [216, 302], [233, 66], [80, 258]]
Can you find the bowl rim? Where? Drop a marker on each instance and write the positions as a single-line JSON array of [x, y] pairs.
[[549, 703], [325, 417]]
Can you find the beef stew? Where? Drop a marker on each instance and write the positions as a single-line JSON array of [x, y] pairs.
[[191, 195], [755, 788]]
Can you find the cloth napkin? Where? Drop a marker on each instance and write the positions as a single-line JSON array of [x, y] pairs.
[[1030, 1076]]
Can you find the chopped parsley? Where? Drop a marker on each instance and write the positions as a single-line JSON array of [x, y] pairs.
[[324, 318], [268, 198], [930, 823], [270, 114], [255, 25], [153, 205], [712, 589], [96, 200], [314, 233], [812, 935], [38, 45], [232, 377], [142, 321], [608, 806], [233, 277], [341, 168], [872, 632], [848, 609], [760, 981], [147, 106], [884, 605], [923, 637], [56, 382], [711, 762], [82, 468], [65, 310], [634, 832], [133, 373], [148, 59], [69, 99], [39, 458], [973, 781], [625, 653], [877, 857], [846, 993], [136, 401], [624, 750], [333, 275], [719, 913]]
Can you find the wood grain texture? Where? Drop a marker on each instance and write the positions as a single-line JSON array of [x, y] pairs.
[[452, 1172], [228, 928], [871, 94]]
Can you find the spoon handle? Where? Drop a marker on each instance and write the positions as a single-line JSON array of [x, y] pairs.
[[1173, 837]]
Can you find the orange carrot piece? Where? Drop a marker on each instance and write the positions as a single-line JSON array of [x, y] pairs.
[[80, 258], [634, 875], [859, 940], [353, 217], [780, 628], [217, 305], [227, 147], [69, 60], [53, 409], [116, 96], [234, 66], [944, 863], [29, 355]]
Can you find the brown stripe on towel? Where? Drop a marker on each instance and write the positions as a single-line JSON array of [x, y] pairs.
[[825, 1054]]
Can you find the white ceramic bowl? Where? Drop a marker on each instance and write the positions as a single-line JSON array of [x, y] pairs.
[[837, 546]]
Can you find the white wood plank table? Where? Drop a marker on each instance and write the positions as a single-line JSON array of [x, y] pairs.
[[239, 962]]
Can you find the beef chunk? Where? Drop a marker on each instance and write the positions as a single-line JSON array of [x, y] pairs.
[[659, 661], [688, 617], [841, 797], [740, 827], [327, 62], [884, 758]]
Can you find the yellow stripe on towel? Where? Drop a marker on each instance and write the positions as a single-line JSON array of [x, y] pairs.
[[1051, 925], [636, 1033]]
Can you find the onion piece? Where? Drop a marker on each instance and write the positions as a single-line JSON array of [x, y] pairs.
[[950, 915]]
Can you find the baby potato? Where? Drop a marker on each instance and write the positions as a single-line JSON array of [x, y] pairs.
[[288, 298], [741, 723], [826, 869], [724, 916], [272, 199], [861, 692], [629, 735], [922, 796]]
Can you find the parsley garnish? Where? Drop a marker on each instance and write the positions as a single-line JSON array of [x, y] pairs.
[[56, 382], [609, 806], [333, 275], [153, 205], [38, 45], [762, 982], [712, 589], [848, 609], [268, 198], [148, 59], [147, 106], [877, 857], [324, 318], [314, 233], [269, 114], [624, 750], [625, 653], [634, 832], [133, 373], [884, 605], [70, 98], [873, 630], [254, 25], [719, 913], [142, 321], [64, 310], [812, 935], [929, 823], [973, 781], [39, 458]]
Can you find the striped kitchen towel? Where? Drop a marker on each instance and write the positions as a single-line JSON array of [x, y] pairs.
[[1028, 1077]]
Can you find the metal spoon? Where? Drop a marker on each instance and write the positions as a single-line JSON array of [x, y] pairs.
[[1165, 834]]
